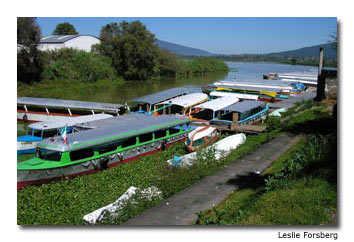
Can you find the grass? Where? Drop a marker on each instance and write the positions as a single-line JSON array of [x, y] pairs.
[[300, 188]]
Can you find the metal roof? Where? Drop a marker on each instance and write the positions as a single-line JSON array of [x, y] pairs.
[[218, 104], [243, 106], [58, 103], [69, 121], [187, 100], [268, 84], [233, 94], [166, 95], [253, 88], [112, 129], [60, 38]]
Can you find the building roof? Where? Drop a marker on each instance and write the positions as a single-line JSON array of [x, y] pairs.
[[111, 129], [69, 121], [60, 38], [187, 100]]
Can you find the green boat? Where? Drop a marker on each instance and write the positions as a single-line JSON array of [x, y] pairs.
[[100, 145]]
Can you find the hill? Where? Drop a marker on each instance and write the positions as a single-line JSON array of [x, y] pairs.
[[306, 52], [181, 49]]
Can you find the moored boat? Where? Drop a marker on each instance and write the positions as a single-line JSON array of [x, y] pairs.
[[221, 148], [41, 130], [201, 137], [107, 143], [46, 109]]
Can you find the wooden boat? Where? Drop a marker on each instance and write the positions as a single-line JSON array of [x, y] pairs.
[[248, 112], [201, 137], [179, 105], [45, 109], [210, 110], [216, 94], [41, 130], [222, 148], [107, 143]]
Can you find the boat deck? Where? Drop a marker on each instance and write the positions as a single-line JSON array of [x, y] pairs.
[[289, 103]]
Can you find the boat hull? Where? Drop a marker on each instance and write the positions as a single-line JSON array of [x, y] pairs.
[[40, 116], [41, 176]]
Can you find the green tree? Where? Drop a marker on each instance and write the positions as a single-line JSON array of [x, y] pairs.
[[65, 29], [334, 41], [131, 49], [29, 59]]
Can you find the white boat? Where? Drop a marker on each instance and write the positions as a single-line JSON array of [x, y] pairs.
[[277, 112], [210, 110], [222, 148], [216, 94], [46, 109], [41, 130], [201, 137]]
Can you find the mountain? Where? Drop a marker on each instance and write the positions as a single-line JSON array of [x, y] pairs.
[[312, 51], [181, 49]]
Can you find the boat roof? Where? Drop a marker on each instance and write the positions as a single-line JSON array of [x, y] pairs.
[[166, 94], [269, 83], [69, 121], [187, 100], [243, 106], [266, 89], [232, 94], [219, 103], [111, 129], [58, 103]]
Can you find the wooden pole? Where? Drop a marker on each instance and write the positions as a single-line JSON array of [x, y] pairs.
[[320, 78], [234, 123]]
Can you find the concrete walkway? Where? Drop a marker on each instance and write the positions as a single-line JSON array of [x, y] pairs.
[[181, 208]]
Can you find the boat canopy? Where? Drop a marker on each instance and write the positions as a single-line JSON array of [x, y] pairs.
[[265, 89], [166, 95], [232, 94], [218, 104], [69, 121], [244, 106], [58, 103], [269, 84], [112, 129], [188, 100]]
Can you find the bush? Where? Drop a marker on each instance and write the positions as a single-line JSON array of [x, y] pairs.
[[72, 64]]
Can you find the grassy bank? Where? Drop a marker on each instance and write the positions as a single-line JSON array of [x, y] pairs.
[[298, 189]]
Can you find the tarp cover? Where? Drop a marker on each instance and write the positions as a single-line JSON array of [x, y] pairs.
[[187, 100], [218, 104]]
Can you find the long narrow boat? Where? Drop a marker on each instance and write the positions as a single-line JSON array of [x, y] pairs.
[[45, 109], [108, 143], [179, 105], [241, 96], [210, 110], [249, 112], [41, 130]]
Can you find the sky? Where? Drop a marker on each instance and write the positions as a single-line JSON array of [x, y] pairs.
[[221, 35]]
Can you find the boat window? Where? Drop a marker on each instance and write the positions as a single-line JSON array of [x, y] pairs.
[[188, 142], [80, 112], [37, 133], [160, 134], [174, 130], [46, 154], [145, 137], [58, 110], [50, 133], [198, 142], [105, 148], [36, 109], [129, 142], [21, 107], [81, 154]]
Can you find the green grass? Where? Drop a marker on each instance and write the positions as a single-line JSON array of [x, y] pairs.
[[300, 188]]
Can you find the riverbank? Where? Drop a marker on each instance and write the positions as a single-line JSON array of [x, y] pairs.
[[66, 202]]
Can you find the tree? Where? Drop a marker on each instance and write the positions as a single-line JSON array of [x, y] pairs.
[[131, 48], [334, 41], [29, 59], [65, 29]]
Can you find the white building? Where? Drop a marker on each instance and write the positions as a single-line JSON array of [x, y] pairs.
[[80, 42]]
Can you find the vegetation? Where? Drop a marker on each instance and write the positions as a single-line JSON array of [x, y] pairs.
[[65, 29], [202, 65], [298, 189], [29, 61]]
